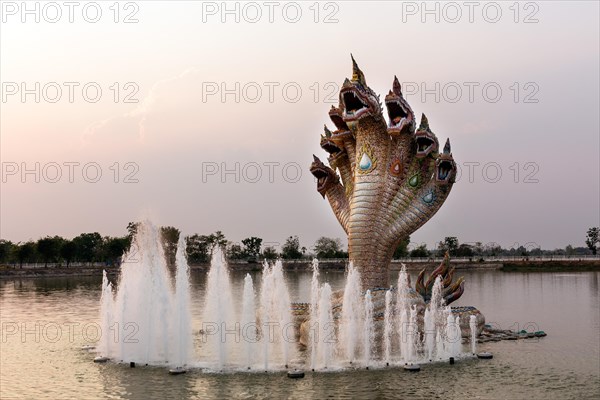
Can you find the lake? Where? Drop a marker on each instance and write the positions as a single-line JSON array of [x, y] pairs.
[[46, 321]]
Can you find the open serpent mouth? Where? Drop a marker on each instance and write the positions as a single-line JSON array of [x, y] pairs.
[[444, 169], [321, 172], [399, 116], [424, 144], [354, 106], [335, 114], [321, 176], [330, 147]]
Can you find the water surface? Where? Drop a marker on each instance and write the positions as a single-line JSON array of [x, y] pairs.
[[45, 322]]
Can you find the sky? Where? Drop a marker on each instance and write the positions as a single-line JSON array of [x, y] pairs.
[[205, 116]]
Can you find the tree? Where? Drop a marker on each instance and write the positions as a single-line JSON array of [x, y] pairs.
[[592, 238], [89, 246], [569, 250], [68, 251], [402, 249], [450, 244], [198, 248], [132, 228], [269, 253], [537, 251], [420, 251], [6, 249], [169, 238], [217, 238], [291, 248], [326, 247], [252, 247], [49, 248], [492, 249], [464, 250], [522, 251], [114, 248], [235, 252], [26, 252]]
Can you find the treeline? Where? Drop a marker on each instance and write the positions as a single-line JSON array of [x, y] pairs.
[[93, 248], [85, 248], [251, 249], [478, 249]]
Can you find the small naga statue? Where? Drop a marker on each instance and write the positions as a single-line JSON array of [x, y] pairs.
[[451, 290], [393, 177]]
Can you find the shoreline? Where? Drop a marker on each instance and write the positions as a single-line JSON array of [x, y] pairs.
[[575, 265]]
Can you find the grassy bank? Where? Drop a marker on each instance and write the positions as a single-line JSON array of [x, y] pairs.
[[551, 266]]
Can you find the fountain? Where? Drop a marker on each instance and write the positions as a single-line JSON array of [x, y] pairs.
[[219, 314], [275, 315], [371, 329], [369, 333], [313, 319], [249, 321], [325, 326], [393, 180], [350, 316], [147, 321], [473, 327], [388, 328]]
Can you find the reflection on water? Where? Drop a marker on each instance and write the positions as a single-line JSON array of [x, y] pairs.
[[46, 321]]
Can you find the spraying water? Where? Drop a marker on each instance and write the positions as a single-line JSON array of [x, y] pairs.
[[158, 314], [351, 313], [314, 301], [451, 335], [388, 327], [218, 315], [457, 338], [430, 332], [433, 321], [276, 317], [183, 318], [326, 328], [107, 305], [402, 312], [473, 326], [248, 323], [266, 312], [369, 334], [150, 319], [413, 335]]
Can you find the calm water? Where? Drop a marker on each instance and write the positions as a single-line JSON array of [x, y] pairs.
[[46, 321]]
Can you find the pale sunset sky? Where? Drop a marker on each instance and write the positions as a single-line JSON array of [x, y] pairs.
[[229, 113]]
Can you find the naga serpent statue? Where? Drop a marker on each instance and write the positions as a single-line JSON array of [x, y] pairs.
[[393, 179]]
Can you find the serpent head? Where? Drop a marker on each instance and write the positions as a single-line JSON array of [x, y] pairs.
[[328, 144], [326, 177], [401, 116], [445, 167], [426, 141], [357, 100]]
